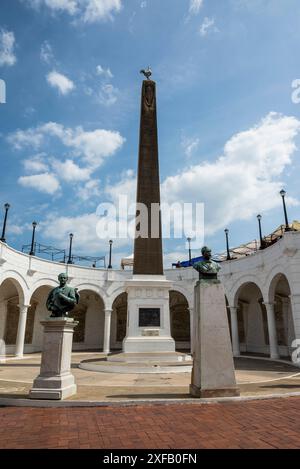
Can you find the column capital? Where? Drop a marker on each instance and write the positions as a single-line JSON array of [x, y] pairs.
[[108, 310], [24, 306], [232, 308], [269, 303]]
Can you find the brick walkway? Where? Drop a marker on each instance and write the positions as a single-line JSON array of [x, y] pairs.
[[256, 424]]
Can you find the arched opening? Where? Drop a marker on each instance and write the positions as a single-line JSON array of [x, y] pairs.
[[180, 320], [89, 313], [38, 299], [11, 296], [279, 295], [252, 320], [118, 322]]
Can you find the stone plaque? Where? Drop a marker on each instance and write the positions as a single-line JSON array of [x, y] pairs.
[[149, 317], [150, 333]]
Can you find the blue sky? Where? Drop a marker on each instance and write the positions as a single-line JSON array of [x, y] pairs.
[[228, 128]]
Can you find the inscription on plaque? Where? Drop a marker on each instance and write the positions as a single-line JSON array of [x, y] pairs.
[[150, 333], [149, 317]]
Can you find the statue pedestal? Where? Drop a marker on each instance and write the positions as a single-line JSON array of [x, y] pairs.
[[213, 368], [55, 380]]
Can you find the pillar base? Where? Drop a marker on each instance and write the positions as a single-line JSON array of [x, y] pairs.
[[55, 381], [211, 393]]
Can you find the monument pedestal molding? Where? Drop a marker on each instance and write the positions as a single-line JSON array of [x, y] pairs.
[[213, 367], [148, 326], [55, 380]]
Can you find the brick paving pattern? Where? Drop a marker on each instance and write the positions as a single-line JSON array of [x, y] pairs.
[[257, 424]]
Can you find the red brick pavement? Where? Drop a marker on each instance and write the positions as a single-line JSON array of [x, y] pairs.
[[255, 424]]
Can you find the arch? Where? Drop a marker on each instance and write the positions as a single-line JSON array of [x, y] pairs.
[[119, 320], [11, 297], [252, 314], [279, 295], [184, 292], [274, 278], [20, 284], [246, 280], [180, 319], [111, 298], [89, 313], [95, 289], [41, 282]]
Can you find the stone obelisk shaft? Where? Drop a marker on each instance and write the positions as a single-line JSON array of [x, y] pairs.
[[148, 258]]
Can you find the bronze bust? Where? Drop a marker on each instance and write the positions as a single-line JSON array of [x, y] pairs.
[[208, 269], [62, 299]]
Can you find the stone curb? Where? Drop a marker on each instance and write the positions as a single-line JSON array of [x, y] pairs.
[[9, 402]]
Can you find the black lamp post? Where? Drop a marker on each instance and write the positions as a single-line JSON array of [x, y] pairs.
[[259, 217], [110, 249], [227, 244], [6, 206], [287, 226], [190, 252], [32, 250], [70, 249]]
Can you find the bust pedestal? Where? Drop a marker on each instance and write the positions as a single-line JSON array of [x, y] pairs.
[[213, 368], [55, 380]]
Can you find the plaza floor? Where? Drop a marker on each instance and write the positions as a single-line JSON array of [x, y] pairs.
[[255, 378], [131, 411], [263, 424]]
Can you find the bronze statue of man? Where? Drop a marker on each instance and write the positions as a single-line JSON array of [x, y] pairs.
[[208, 269], [62, 299]]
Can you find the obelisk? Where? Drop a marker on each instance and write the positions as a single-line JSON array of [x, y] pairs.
[[148, 258], [148, 323]]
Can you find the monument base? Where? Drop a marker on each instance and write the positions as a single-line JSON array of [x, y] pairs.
[[148, 328], [213, 367], [210, 393], [55, 380]]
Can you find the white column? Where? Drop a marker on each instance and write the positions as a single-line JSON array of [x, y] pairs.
[[107, 324], [234, 331], [191, 311], [274, 351], [295, 304], [21, 330]]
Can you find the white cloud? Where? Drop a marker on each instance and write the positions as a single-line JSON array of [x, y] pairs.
[[108, 95], [105, 72], [46, 53], [26, 138], [144, 4], [61, 82], [70, 171], [7, 43], [189, 145], [68, 6], [207, 26], [92, 146], [99, 10], [195, 6], [244, 180], [88, 11], [89, 190], [45, 182], [36, 164]]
